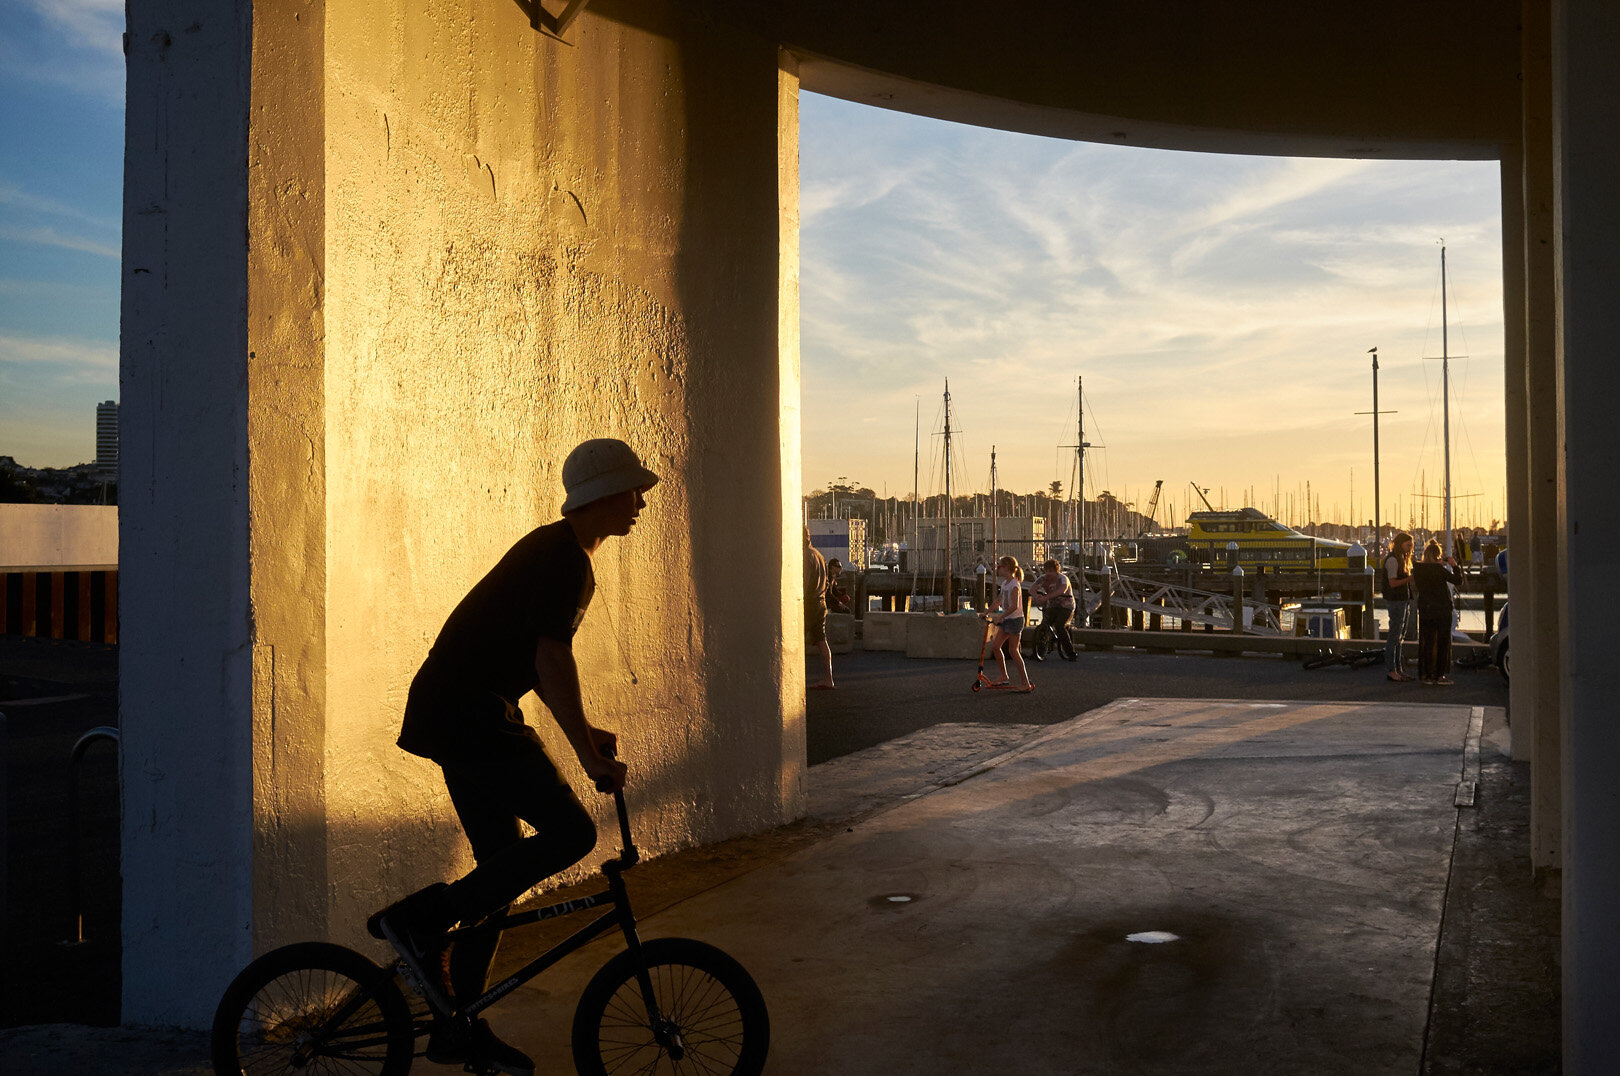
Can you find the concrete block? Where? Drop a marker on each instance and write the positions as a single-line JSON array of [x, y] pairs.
[[885, 631], [943, 636], [841, 632]]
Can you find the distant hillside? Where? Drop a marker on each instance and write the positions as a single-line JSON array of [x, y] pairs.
[[85, 483]]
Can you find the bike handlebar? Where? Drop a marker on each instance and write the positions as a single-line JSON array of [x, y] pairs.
[[628, 856]]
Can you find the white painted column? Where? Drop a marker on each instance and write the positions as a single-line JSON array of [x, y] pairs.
[[1586, 40], [185, 670]]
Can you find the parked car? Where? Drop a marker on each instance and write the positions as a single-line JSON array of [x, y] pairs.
[[1499, 645]]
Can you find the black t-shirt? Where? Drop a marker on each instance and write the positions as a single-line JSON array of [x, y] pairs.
[[464, 698]]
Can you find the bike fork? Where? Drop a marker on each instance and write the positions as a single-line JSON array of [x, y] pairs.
[[665, 1032]]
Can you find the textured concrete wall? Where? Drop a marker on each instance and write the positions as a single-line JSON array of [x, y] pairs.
[[58, 535], [469, 246], [185, 670], [529, 244], [1586, 110]]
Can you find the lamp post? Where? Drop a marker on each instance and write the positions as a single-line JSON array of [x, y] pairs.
[[1378, 526]]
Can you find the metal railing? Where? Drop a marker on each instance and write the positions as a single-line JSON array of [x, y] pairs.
[[75, 850], [1184, 603]]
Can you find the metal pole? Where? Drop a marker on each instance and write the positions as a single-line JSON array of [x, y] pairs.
[[950, 582], [1378, 511], [1080, 465], [1378, 532], [1445, 393]]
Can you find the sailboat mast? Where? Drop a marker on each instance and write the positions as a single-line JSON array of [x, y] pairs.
[[1378, 526], [995, 552], [1080, 466], [950, 582], [1445, 393], [916, 501]]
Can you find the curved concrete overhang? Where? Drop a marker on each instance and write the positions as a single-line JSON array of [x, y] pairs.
[[1375, 79]]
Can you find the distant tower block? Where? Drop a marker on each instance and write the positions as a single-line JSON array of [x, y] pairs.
[[107, 436]]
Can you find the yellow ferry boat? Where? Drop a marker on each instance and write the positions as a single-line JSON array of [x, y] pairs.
[[1262, 542]]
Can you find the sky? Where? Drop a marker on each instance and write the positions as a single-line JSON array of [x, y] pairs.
[[1219, 309], [61, 183]]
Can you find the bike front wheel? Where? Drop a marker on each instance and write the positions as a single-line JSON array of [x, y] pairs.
[[315, 1008], [711, 1017]]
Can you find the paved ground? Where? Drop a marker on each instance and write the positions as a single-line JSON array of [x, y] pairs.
[[1307, 855]]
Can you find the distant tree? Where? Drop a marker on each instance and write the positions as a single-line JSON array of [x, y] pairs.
[[1056, 489], [15, 490]]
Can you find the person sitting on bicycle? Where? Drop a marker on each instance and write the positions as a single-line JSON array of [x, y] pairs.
[[1055, 595], [512, 634]]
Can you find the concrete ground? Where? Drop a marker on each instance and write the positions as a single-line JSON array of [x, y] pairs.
[[1333, 910]]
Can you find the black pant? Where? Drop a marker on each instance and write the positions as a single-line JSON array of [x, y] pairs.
[[1058, 618], [490, 795], [1434, 644]]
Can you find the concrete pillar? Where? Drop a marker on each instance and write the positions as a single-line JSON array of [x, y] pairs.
[[1586, 38], [186, 659], [385, 267], [1533, 560]]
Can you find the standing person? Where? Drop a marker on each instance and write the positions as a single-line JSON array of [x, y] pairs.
[[513, 633], [1433, 581], [837, 596], [815, 611], [1395, 581], [1055, 594], [1008, 616]]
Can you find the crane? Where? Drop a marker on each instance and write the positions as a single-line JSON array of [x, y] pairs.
[[1200, 491], [1153, 505]]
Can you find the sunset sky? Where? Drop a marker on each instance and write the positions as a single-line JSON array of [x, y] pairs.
[[1219, 308]]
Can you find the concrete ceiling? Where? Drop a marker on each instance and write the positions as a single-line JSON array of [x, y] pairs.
[[1438, 79]]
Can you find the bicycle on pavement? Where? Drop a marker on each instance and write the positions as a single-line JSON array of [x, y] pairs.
[[662, 1005]]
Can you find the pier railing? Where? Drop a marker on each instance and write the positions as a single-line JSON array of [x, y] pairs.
[[1187, 604]]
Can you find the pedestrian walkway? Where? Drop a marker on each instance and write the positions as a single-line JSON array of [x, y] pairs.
[[1177, 886], [1155, 886]]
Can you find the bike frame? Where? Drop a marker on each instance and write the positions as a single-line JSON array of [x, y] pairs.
[[620, 916]]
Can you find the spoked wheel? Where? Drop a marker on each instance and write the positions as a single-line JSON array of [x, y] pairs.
[[313, 1008], [1045, 641], [1322, 658], [711, 1017]]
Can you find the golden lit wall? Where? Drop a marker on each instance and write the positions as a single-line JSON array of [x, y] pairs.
[[528, 243]]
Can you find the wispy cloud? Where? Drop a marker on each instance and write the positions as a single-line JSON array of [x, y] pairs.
[[45, 235], [13, 195], [94, 25], [1199, 295], [61, 356], [72, 44]]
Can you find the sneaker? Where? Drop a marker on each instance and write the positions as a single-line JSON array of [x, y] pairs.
[[474, 1044], [1445, 681], [416, 928]]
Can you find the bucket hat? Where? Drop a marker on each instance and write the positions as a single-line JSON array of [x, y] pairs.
[[600, 468]]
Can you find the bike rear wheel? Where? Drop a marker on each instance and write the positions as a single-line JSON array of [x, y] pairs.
[[712, 1017], [313, 1008], [1045, 641]]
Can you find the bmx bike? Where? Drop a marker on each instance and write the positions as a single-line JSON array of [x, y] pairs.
[[662, 1005]]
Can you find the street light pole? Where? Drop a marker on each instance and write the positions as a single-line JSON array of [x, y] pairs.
[[1378, 526]]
